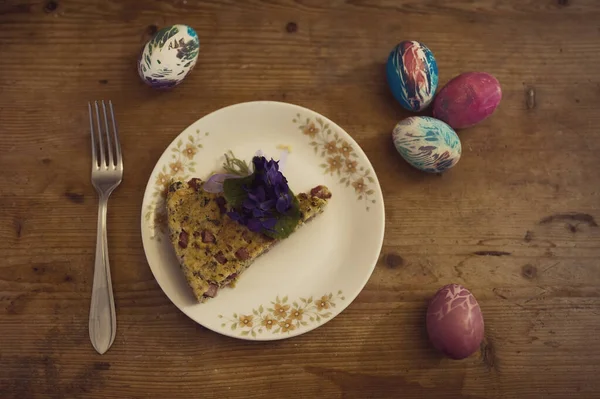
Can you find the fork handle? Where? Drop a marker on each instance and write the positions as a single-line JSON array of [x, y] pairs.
[[103, 321]]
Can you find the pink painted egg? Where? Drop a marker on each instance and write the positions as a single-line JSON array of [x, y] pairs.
[[454, 322], [467, 99]]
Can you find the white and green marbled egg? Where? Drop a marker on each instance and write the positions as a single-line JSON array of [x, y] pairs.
[[427, 143], [169, 56]]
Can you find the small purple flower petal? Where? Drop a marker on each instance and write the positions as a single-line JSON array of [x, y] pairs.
[[258, 195], [260, 164], [257, 213], [266, 205], [283, 204], [214, 184], [273, 176], [269, 224], [281, 189], [254, 225], [236, 216], [273, 165], [249, 204]]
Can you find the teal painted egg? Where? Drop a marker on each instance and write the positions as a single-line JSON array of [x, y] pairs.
[[169, 56], [412, 75], [427, 143]]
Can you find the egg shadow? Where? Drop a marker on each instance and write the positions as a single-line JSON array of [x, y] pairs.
[[413, 339], [407, 364], [395, 374]]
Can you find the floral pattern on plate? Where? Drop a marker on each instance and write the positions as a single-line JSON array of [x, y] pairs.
[[340, 157], [182, 163], [281, 316], [351, 260]]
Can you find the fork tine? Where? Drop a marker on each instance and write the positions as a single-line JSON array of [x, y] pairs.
[[100, 141], [119, 158], [94, 153], [111, 160]]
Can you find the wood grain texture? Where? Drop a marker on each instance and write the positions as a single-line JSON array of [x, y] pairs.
[[516, 220]]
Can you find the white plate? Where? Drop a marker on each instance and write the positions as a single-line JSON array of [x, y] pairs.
[[313, 275]]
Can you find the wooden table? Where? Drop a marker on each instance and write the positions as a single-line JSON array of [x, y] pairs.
[[516, 221]]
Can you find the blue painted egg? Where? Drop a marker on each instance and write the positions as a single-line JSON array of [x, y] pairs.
[[427, 143], [412, 75], [169, 56]]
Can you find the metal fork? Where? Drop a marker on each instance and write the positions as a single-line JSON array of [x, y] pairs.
[[107, 173]]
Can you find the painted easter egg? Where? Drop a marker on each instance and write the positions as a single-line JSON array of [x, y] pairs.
[[412, 75], [467, 99], [169, 56], [454, 322], [427, 144]]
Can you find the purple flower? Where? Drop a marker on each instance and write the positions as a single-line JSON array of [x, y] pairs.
[[268, 196], [257, 200]]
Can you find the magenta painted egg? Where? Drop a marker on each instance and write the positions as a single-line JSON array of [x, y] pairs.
[[467, 99], [454, 322]]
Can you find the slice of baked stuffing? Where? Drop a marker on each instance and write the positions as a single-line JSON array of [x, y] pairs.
[[213, 249]]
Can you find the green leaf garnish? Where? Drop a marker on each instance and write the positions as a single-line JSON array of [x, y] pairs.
[[233, 190], [286, 224], [235, 166]]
